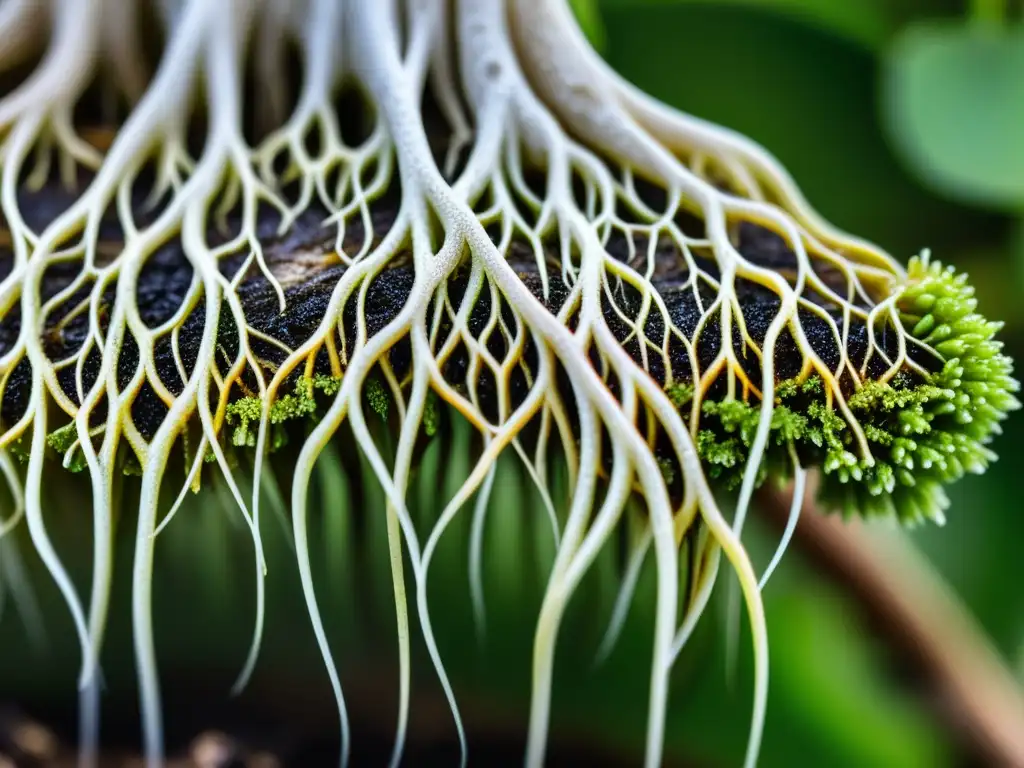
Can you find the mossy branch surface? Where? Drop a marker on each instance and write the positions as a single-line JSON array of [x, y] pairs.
[[491, 220]]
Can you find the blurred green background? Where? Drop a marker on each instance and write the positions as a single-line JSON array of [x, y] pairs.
[[903, 122]]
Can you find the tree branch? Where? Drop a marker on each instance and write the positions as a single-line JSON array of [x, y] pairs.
[[921, 617]]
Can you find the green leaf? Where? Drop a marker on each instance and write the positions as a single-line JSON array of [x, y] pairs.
[[808, 96], [953, 98]]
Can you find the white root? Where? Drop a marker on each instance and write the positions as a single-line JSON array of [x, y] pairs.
[[524, 98]]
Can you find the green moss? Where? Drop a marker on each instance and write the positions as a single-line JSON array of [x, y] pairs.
[[294, 405], [730, 427], [720, 455], [377, 397], [431, 418], [787, 425], [928, 435], [786, 389], [922, 434], [244, 414], [679, 394], [63, 438], [329, 385]]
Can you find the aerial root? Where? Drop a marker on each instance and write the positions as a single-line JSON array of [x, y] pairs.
[[799, 491]]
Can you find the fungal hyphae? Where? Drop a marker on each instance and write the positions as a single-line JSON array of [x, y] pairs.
[[231, 225]]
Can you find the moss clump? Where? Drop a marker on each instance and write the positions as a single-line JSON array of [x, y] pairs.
[[927, 435], [679, 394], [378, 398], [729, 427], [922, 434], [431, 417], [329, 385], [244, 414], [63, 440]]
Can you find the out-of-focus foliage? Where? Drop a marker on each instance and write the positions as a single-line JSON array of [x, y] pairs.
[[866, 22], [954, 107]]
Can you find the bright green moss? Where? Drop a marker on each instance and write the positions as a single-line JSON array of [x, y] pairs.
[[921, 432], [922, 435], [377, 397], [431, 417], [329, 385], [787, 425], [294, 405], [928, 435], [244, 414], [63, 438], [720, 455], [731, 426], [679, 394]]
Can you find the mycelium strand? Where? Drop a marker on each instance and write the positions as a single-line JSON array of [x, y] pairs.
[[580, 273]]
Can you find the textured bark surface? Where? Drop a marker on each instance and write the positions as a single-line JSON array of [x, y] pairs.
[[305, 263]]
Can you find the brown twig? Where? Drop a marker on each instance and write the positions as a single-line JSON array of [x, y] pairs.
[[921, 617]]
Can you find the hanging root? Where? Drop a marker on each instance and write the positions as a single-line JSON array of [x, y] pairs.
[[630, 298]]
